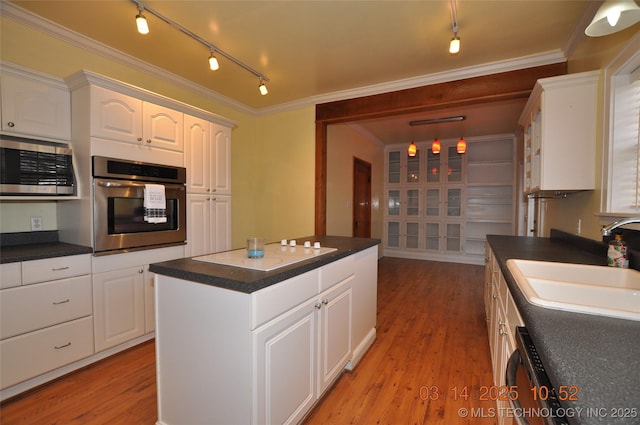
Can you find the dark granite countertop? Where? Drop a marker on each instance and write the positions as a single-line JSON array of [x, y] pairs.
[[25, 246], [598, 355], [248, 281]]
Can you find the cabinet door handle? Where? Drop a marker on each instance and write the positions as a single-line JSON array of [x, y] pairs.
[[60, 269], [61, 302], [11, 124], [325, 301], [58, 347], [318, 306], [139, 139], [149, 141]]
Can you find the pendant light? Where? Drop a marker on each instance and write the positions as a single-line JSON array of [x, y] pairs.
[[412, 149], [613, 16], [461, 147], [435, 146]]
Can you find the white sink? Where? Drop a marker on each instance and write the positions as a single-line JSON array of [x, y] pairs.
[[598, 290]]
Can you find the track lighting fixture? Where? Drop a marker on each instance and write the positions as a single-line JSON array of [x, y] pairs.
[[141, 22], [454, 44], [213, 62], [412, 149], [143, 28], [613, 16], [262, 88]]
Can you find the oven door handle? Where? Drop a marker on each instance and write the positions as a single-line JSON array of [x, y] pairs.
[[510, 380], [103, 183]]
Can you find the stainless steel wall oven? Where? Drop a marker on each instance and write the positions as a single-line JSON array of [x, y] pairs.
[[120, 221]]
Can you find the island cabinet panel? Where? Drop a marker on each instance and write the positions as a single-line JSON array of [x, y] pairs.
[[227, 357], [203, 349]]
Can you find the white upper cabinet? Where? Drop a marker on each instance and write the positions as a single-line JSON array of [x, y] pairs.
[[197, 154], [221, 137], [559, 123], [116, 116], [34, 106]]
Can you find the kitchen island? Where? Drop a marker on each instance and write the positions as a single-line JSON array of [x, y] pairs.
[[242, 346], [599, 356]]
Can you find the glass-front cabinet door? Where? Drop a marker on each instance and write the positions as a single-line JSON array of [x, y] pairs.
[[453, 237], [454, 165], [393, 167], [394, 202], [432, 236], [413, 168]]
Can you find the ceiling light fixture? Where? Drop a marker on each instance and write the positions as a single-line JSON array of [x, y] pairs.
[[435, 146], [141, 22], [213, 62], [262, 88], [613, 16], [197, 38], [412, 149], [461, 147], [438, 120], [454, 44]]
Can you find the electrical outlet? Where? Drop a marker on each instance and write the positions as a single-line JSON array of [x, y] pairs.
[[36, 223]]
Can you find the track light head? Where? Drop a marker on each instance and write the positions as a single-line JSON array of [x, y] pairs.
[[213, 62], [141, 21], [454, 44], [263, 88]]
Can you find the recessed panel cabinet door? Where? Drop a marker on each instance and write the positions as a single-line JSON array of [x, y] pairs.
[[285, 366], [35, 108], [163, 127], [115, 116], [335, 332], [118, 306]]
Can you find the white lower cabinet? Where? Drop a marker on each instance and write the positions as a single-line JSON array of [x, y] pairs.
[[35, 353], [502, 319], [209, 224], [44, 323], [118, 305], [264, 357], [285, 359], [300, 353]]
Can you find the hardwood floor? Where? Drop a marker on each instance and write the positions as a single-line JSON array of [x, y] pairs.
[[431, 340]]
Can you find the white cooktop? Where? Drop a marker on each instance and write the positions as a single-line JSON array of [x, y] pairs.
[[275, 256]]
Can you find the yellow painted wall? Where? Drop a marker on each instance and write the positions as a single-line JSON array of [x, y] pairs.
[[343, 144], [272, 156]]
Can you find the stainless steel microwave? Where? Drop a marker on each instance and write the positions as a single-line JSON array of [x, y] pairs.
[[31, 168]]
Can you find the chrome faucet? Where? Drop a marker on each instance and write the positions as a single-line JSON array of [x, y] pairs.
[[606, 230]]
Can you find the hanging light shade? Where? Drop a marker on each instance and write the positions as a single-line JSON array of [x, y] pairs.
[[435, 146], [461, 147], [412, 149], [613, 16]]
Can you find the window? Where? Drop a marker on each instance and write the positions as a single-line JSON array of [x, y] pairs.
[[621, 185]]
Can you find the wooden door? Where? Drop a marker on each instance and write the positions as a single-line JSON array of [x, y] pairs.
[[361, 198]]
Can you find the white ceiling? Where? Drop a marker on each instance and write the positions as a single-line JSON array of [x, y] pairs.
[[325, 50]]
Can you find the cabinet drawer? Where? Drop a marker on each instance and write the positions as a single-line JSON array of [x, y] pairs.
[[35, 271], [35, 353], [33, 307], [276, 299], [336, 272], [10, 275]]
